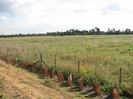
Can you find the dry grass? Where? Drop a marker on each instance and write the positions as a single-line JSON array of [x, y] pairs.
[[23, 85]]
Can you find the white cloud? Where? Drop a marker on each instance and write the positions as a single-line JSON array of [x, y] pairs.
[[2, 18], [53, 15]]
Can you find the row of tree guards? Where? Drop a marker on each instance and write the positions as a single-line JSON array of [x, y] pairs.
[[46, 72], [78, 70], [80, 81]]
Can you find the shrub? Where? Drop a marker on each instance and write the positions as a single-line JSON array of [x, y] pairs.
[[106, 86], [66, 72], [83, 72]]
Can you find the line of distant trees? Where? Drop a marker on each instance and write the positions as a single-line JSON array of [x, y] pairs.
[[94, 31], [23, 35]]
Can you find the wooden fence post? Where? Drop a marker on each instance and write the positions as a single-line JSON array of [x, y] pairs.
[[120, 77], [55, 62]]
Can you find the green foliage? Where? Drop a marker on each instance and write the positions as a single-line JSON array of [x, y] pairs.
[[54, 69], [106, 86], [83, 72], [66, 72]]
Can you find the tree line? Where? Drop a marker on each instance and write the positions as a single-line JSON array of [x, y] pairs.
[[94, 31]]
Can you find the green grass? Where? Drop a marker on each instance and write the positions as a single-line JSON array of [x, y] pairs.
[[101, 56]]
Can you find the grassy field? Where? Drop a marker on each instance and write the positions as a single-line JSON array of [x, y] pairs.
[[99, 55]]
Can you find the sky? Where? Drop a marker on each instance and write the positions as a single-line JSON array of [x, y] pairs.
[[41, 16]]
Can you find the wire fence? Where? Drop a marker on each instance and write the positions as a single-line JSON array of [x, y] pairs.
[[119, 76]]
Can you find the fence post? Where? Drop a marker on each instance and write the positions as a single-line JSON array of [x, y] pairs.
[[120, 77], [78, 68], [55, 62]]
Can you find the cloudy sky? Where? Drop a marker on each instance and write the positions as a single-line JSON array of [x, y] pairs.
[[28, 16]]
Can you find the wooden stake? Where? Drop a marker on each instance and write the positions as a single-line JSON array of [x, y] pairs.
[[120, 77], [55, 62]]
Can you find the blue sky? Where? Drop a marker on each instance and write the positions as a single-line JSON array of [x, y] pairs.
[[34, 16]]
